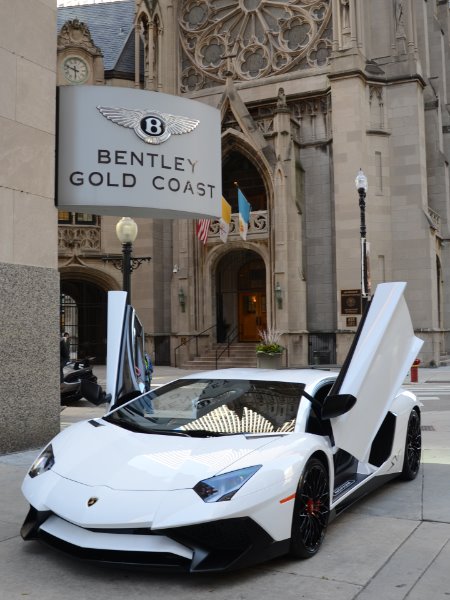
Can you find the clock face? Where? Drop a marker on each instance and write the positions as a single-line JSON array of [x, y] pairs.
[[75, 69]]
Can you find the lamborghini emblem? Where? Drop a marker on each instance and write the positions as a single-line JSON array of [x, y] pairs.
[[152, 126], [92, 501]]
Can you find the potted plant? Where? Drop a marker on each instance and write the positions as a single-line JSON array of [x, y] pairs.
[[269, 351]]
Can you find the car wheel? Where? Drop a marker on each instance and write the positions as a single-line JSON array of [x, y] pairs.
[[413, 447], [311, 510]]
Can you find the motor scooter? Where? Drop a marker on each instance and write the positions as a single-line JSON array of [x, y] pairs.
[[73, 373]]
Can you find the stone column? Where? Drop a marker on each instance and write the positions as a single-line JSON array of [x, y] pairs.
[[29, 279]]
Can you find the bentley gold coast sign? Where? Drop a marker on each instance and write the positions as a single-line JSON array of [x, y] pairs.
[[131, 152]]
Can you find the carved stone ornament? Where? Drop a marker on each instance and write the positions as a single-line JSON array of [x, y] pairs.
[[78, 238], [250, 39], [258, 227], [76, 34]]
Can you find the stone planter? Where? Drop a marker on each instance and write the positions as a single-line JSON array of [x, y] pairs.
[[269, 361]]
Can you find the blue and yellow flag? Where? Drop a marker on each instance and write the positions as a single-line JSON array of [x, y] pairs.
[[244, 214]]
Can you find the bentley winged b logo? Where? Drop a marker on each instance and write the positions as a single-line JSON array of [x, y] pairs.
[[151, 126]]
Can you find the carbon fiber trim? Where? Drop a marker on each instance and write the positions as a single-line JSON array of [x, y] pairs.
[[217, 546]]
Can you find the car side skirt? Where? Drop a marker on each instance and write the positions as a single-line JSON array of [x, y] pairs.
[[371, 484]]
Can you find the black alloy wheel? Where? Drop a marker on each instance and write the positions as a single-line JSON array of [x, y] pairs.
[[413, 447], [311, 510]]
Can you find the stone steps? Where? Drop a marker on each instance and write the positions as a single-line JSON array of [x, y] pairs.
[[240, 355]]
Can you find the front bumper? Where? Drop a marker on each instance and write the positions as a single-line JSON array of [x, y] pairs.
[[208, 547]]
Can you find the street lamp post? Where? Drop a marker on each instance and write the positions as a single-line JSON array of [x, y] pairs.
[[361, 186], [126, 230]]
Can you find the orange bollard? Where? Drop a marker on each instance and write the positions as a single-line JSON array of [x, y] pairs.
[[415, 371]]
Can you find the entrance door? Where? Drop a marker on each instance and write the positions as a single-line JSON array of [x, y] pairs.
[[83, 316], [252, 315]]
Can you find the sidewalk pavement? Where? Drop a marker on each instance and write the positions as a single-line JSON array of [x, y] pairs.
[[392, 545]]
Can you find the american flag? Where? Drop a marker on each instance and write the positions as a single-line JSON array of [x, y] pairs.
[[202, 229]]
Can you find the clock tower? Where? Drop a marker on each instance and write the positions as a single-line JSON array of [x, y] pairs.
[[79, 59]]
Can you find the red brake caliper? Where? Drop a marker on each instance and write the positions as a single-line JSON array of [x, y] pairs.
[[312, 506]]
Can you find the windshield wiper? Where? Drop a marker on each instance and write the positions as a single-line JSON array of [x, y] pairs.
[[126, 424], [201, 433], [139, 429], [205, 433], [167, 432]]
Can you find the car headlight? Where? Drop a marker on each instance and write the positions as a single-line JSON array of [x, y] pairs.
[[223, 487], [44, 462]]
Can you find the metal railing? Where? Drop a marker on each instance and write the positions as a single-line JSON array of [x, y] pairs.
[[189, 339], [230, 339]]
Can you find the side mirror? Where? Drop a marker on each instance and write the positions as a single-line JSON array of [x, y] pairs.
[[93, 392], [337, 405]]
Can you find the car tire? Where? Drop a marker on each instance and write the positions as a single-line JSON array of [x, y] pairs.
[[413, 447], [311, 510]]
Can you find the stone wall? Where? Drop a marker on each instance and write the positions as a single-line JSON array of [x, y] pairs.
[[29, 281], [29, 351]]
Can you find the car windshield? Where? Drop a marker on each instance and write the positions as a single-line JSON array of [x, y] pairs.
[[210, 407]]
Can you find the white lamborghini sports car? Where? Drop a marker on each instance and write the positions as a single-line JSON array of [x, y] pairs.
[[227, 468]]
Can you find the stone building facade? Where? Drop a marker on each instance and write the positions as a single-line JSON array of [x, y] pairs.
[[309, 92]]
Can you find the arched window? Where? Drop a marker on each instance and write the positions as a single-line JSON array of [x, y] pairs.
[[149, 35], [237, 168], [155, 31], [143, 30]]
